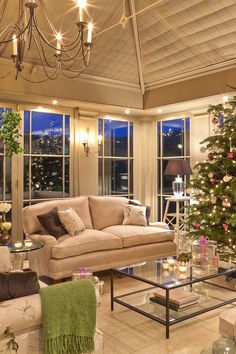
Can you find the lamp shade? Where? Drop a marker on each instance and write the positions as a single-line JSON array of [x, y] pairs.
[[178, 167]]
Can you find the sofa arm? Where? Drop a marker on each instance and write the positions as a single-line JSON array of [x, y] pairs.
[[44, 239], [160, 225], [39, 259]]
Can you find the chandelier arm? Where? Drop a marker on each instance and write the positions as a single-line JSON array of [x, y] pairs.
[[35, 82], [55, 74], [43, 52], [48, 19], [72, 70], [18, 35], [4, 9], [75, 76], [45, 39]]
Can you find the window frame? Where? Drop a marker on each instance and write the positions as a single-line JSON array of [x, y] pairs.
[[130, 159], [160, 195]]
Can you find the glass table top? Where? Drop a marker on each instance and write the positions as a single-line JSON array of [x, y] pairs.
[[21, 246], [152, 272]]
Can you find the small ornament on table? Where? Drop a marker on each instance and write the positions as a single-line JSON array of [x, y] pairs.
[[227, 178], [165, 265], [17, 244], [28, 242]]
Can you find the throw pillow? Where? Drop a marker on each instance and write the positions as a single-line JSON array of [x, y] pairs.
[[51, 223], [71, 221], [148, 210], [134, 215], [18, 284]]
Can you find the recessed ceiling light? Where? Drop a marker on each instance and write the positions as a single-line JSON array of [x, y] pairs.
[[225, 98], [159, 110], [127, 111], [55, 102]]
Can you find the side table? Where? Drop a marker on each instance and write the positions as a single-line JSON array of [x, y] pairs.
[[177, 219], [18, 253]]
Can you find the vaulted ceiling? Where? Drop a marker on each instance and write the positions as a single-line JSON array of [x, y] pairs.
[[170, 40]]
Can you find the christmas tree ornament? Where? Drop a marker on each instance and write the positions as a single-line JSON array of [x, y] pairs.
[[210, 175], [197, 225], [213, 180], [230, 155], [203, 149], [226, 203], [215, 120], [213, 200], [210, 156], [227, 178], [225, 226]]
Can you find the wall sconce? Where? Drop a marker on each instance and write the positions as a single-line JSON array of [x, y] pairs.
[[88, 147]]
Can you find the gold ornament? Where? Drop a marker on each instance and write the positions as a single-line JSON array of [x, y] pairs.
[[210, 175], [226, 203]]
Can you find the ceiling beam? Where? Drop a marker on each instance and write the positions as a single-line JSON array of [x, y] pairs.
[[137, 45]]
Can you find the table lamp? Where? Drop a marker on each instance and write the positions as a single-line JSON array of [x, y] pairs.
[[179, 168]]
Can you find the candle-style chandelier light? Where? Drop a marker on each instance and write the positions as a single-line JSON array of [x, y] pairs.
[[56, 54]]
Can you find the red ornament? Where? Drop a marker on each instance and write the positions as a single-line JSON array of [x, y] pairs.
[[197, 225], [213, 180], [225, 226], [230, 155], [215, 120]]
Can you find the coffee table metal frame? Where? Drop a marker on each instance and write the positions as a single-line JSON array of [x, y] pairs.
[[167, 322]]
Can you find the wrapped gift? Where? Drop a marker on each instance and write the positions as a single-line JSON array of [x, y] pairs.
[[203, 252]]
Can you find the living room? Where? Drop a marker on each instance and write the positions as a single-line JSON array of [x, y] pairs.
[[98, 101]]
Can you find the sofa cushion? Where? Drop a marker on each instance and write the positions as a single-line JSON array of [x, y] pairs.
[[148, 209], [134, 215], [51, 223], [133, 235], [106, 211], [71, 221], [31, 224], [87, 241]]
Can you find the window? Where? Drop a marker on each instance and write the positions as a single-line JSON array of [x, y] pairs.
[[46, 155], [115, 160], [172, 143]]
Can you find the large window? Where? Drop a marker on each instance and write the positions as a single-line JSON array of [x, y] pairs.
[[46, 155], [115, 160], [172, 143]]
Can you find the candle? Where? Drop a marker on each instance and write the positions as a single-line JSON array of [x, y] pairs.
[[182, 268], [59, 38], [82, 5], [14, 43], [28, 243], [90, 32], [18, 244]]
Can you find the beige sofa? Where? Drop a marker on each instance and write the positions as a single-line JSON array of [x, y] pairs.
[[105, 242]]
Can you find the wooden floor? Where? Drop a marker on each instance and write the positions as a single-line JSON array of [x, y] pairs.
[[126, 331]]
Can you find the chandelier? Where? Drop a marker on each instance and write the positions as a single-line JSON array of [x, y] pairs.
[[52, 51]]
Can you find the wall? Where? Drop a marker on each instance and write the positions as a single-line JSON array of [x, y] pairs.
[[208, 85]]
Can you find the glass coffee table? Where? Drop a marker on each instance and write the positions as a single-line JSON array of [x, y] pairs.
[[18, 254], [208, 285]]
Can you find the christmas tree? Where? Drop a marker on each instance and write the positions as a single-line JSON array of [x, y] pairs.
[[213, 183]]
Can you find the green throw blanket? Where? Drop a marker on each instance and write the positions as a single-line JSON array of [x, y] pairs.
[[69, 317]]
